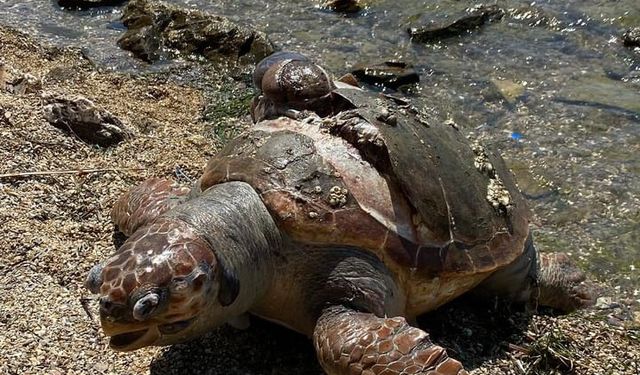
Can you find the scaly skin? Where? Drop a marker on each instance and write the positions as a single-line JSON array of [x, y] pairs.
[[562, 285], [145, 202], [354, 343]]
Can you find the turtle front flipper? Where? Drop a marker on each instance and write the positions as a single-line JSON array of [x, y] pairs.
[[145, 202], [348, 342]]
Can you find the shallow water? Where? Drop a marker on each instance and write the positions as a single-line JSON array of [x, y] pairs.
[[560, 99]]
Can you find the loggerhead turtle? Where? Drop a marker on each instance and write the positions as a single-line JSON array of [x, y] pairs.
[[343, 227]]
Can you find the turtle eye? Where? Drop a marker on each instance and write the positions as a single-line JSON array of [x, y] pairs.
[[146, 306]]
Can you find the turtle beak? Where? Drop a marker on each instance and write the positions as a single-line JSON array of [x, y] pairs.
[[127, 338], [128, 341]]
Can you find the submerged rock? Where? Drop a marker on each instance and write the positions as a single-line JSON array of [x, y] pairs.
[[86, 4], [447, 27], [597, 90], [631, 37], [80, 117], [157, 30], [390, 74], [507, 89]]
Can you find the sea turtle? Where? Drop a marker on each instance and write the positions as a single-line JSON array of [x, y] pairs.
[[343, 227]]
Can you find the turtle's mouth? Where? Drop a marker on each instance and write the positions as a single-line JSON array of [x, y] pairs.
[[137, 339], [124, 340]]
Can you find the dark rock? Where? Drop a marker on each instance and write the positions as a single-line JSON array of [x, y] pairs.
[[447, 27], [154, 28], [631, 37], [390, 74], [86, 4], [80, 117], [343, 6]]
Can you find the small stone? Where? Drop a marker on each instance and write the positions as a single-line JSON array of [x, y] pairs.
[[313, 214]]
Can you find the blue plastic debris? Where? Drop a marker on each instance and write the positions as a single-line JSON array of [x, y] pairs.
[[516, 136]]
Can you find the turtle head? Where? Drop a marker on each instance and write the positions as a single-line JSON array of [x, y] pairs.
[[163, 286]]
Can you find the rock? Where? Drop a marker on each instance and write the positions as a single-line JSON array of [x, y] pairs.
[[24, 84], [86, 4], [631, 37], [80, 117], [444, 27], [390, 74], [343, 6], [18, 83], [155, 28]]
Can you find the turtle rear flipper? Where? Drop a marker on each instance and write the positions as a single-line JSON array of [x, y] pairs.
[[541, 279], [141, 205], [563, 286]]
